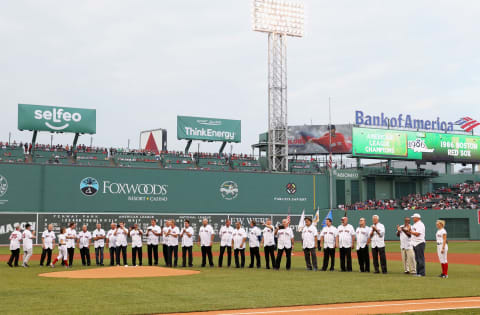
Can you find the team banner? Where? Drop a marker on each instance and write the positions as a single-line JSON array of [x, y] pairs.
[[208, 129], [415, 145], [56, 119], [315, 139]]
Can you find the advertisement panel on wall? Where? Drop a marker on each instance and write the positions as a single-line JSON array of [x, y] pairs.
[[208, 129], [315, 139], [415, 145]]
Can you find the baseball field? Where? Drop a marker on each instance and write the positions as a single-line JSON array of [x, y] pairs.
[[23, 290]]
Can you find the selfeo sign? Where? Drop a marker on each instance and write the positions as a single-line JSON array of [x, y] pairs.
[[56, 119]]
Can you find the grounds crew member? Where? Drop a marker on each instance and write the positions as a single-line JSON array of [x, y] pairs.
[[121, 243], [239, 238], [98, 236], [112, 243], [48, 243], [172, 235], [226, 233], [136, 234], [62, 248], [165, 230], [187, 244], [285, 244], [27, 239], [153, 235], [418, 242], [71, 236], [309, 237], [406, 248], [254, 236], [377, 239], [15, 239], [205, 241], [363, 239], [345, 241], [442, 247], [83, 243], [328, 237], [268, 241]]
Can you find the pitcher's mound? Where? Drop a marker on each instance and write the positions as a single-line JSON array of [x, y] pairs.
[[120, 272]]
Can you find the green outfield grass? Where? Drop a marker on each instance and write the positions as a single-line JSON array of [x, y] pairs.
[[214, 288]]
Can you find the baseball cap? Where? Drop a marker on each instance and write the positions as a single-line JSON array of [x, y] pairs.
[[416, 215]]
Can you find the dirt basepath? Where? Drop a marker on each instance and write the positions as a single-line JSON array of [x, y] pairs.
[[361, 308], [119, 272]]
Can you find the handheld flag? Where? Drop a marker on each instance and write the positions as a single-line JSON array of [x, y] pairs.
[[301, 224], [316, 218], [329, 216]]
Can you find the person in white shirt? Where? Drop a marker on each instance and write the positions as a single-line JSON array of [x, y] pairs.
[[112, 243], [309, 237], [165, 230], [285, 244], [254, 237], [172, 235], [62, 248], [345, 241], [239, 238], [48, 242], [406, 248], [377, 239], [99, 244], [136, 234], [418, 242], [187, 244], [153, 234], [121, 243], [15, 239], [27, 237], [268, 242], [442, 247], [225, 234], [328, 236], [83, 243], [205, 241], [363, 239], [71, 236]]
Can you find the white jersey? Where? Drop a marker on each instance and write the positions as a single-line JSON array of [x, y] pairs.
[[378, 241], [226, 234], [205, 234], [27, 240], [405, 240], [121, 237], [418, 227], [100, 242], [112, 239], [308, 236], [253, 237], [71, 241], [172, 240], [136, 238], [285, 238], [84, 239], [187, 241], [153, 239], [48, 238], [362, 235], [329, 235], [268, 237], [439, 236], [62, 241], [345, 233], [238, 236], [15, 239], [165, 230]]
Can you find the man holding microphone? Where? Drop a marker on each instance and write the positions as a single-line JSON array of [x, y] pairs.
[[268, 241]]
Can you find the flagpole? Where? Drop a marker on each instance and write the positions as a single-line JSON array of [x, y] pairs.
[[330, 150]]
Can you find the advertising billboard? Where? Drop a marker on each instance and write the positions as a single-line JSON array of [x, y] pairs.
[[56, 119], [315, 139], [415, 145], [208, 129]]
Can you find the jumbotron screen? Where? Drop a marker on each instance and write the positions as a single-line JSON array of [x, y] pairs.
[[415, 145]]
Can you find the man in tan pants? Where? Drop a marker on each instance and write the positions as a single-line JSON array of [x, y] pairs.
[[408, 255]]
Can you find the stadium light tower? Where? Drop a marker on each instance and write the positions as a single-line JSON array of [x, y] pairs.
[[278, 19]]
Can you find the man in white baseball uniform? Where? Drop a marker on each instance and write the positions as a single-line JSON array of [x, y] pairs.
[[165, 230], [173, 234], [328, 237], [15, 239], [71, 236], [27, 237], [121, 243], [268, 241], [83, 243], [239, 238], [309, 237], [153, 235], [406, 248], [98, 236], [254, 236], [377, 239], [225, 234], [187, 244], [363, 239], [345, 241], [112, 243], [205, 241], [285, 244], [136, 234], [418, 242], [48, 242]]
